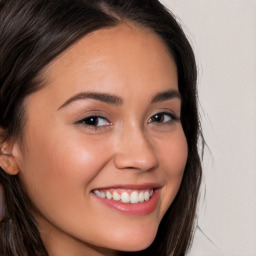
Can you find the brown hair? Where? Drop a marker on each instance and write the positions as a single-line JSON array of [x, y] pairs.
[[33, 33]]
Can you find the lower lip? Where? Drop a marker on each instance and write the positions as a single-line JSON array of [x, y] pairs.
[[133, 209]]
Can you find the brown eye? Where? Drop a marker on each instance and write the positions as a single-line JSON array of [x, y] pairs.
[[94, 121], [161, 118], [158, 118]]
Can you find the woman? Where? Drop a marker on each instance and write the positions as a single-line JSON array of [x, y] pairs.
[[99, 129]]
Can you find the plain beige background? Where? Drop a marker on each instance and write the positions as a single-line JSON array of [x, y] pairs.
[[223, 34]]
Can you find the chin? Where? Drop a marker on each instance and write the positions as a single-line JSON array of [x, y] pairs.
[[134, 241]]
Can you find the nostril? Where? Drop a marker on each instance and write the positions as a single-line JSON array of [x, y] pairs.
[[136, 161], [134, 150]]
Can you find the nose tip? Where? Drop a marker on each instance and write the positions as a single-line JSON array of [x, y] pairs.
[[134, 151]]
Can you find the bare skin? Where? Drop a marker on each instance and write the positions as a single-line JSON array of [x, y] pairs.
[[134, 138]]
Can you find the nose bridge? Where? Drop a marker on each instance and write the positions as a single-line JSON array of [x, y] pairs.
[[134, 150]]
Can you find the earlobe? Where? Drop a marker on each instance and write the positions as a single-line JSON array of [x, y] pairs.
[[7, 161]]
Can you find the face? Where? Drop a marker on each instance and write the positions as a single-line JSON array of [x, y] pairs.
[[103, 148]]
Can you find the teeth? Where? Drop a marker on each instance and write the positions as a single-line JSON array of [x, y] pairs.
[[109, 195], [146, 196], [125, 198], [133, 198], [116, 196], [141, 197], [102, 194]]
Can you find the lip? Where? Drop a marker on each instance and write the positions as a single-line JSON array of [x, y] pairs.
[[132, 186], [132, 209]]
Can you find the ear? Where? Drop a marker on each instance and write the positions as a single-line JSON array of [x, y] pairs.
[[8, 161]]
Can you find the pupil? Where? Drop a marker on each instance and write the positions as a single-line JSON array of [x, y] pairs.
[[158, 117], [92, 120]]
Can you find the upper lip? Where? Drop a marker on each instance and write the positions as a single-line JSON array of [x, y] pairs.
[[132, 186]]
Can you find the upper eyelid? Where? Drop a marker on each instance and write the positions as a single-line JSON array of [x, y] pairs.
[[171, 115], [98, 116], [166, 112], [90, 113]]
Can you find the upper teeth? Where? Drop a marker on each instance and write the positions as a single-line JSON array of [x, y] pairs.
[[125, 197]]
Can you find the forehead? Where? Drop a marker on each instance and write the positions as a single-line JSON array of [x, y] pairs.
[[116, 58], [112, 41]]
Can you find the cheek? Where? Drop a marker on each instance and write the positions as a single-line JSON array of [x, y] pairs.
[[173, 153], [173, 156], [58, 168]]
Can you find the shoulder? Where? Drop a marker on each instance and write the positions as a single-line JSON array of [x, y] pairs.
[[203, 246]]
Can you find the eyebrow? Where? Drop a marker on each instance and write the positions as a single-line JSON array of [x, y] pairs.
[[105, 97], [116, 100], [167, 95]]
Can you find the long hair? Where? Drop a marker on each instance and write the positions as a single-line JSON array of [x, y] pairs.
[[32, 34]]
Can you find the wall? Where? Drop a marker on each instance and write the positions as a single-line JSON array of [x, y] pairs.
[[223, 34]]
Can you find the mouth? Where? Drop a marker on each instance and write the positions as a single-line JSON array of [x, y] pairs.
[[135, 200], [125, 196]]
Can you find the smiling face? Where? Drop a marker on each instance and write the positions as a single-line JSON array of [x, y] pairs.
[[104, 150]]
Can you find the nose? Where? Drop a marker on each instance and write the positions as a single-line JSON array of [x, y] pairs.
[[134, 151]]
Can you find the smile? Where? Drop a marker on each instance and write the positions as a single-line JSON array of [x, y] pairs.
[[130, 199], [125, 196]]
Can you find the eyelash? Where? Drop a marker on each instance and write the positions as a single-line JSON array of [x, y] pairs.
[[172, 118], [86, 122], [95, 120]]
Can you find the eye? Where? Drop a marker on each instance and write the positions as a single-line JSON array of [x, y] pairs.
[[162, 118], [94, 121]]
